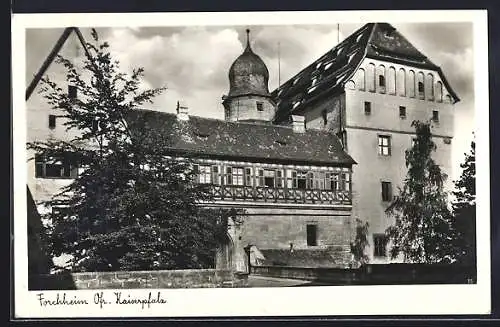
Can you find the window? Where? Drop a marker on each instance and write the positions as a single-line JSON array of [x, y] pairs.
[[379, 244], [421, 88], [386, 191], [311, 231], [381, 81], [332, 181], [368, 108], [318, 181], [384, 145], [204, 174], [402, 112], [248, 176], [260, 106], [280, 179], [234, 176], [52, 121], [216, 177], [54, 168], [435, 116], [269, 178], [72, 92]]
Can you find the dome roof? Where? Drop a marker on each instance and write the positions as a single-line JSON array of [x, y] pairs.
[[248, 74]]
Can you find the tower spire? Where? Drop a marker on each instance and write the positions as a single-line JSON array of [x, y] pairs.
[[248, 39]]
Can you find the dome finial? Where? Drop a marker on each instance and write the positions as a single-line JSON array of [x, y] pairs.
[[248, 39]]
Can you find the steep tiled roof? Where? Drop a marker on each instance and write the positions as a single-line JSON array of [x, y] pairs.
[[330, 72], [237, 140]]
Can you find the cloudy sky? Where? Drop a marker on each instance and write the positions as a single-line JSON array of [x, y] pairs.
[[193, 62]]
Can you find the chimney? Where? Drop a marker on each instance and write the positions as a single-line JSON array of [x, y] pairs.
[[182, 111], [298, 124]]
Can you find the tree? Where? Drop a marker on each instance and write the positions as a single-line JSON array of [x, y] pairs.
[[360, 242], [131, 207], [422, 232], [464, 209]]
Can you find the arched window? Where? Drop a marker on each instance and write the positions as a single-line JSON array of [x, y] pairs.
[[421, 86], [439, 91], [448, 99], [429, 87], [411, 84], [391, 81], [370, 77], [360, 79], [381, 79], [401, 82]]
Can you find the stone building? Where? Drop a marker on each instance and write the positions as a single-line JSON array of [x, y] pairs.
[[291, 184], [367, 90]]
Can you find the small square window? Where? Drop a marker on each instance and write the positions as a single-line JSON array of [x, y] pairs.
[[402, 112], [379, 245], [260, 106], [368, 108], [384, 145], [52, 121], [386, 191], [435, 116]]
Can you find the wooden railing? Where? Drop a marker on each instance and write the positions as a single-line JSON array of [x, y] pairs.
[[279, 195]]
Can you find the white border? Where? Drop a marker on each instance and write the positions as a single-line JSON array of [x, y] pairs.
[[344, 300]]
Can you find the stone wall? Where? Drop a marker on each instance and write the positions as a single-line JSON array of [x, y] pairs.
[[189, 278]]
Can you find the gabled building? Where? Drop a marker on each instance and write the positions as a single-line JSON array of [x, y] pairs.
[[290, 184], [367, 90]]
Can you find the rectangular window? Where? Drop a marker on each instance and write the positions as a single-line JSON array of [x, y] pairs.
[[386, 191], [346, 182], [421, 89], [384, 145], [54, 168], [216, 177], [300, 180], [260, 106], [368, 108], [248, 176], [435, 116], [319, 180], [280, 179], [72, 92], [52, 121], [260, 177], [312, 231], [379, 244], [381, 80], [237, 176], [269, 178], [402, 112], [332, 181], [204, 174]]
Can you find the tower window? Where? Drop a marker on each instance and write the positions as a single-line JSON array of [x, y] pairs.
[[379, 244], [381, 81], [386, 191], [72, 92], [421, 88], [368, 108], [312, 234], [260, 106], [384, 145], [435, 116], [52, 121], [402, 112]]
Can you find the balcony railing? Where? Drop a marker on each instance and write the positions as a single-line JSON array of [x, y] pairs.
[[279, 195]]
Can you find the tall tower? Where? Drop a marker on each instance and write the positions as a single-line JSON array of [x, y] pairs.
[[249, 98]]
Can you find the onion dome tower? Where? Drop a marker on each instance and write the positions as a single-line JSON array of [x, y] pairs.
[[248, 98]]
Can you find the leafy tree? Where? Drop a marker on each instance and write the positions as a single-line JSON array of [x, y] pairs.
[[360, 242], [422, 232], [130, 207], [464, 209]]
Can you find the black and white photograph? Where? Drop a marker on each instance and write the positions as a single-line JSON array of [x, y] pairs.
[[262, 159]]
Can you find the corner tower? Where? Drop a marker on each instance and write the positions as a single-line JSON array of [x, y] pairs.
[[249, 98]]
